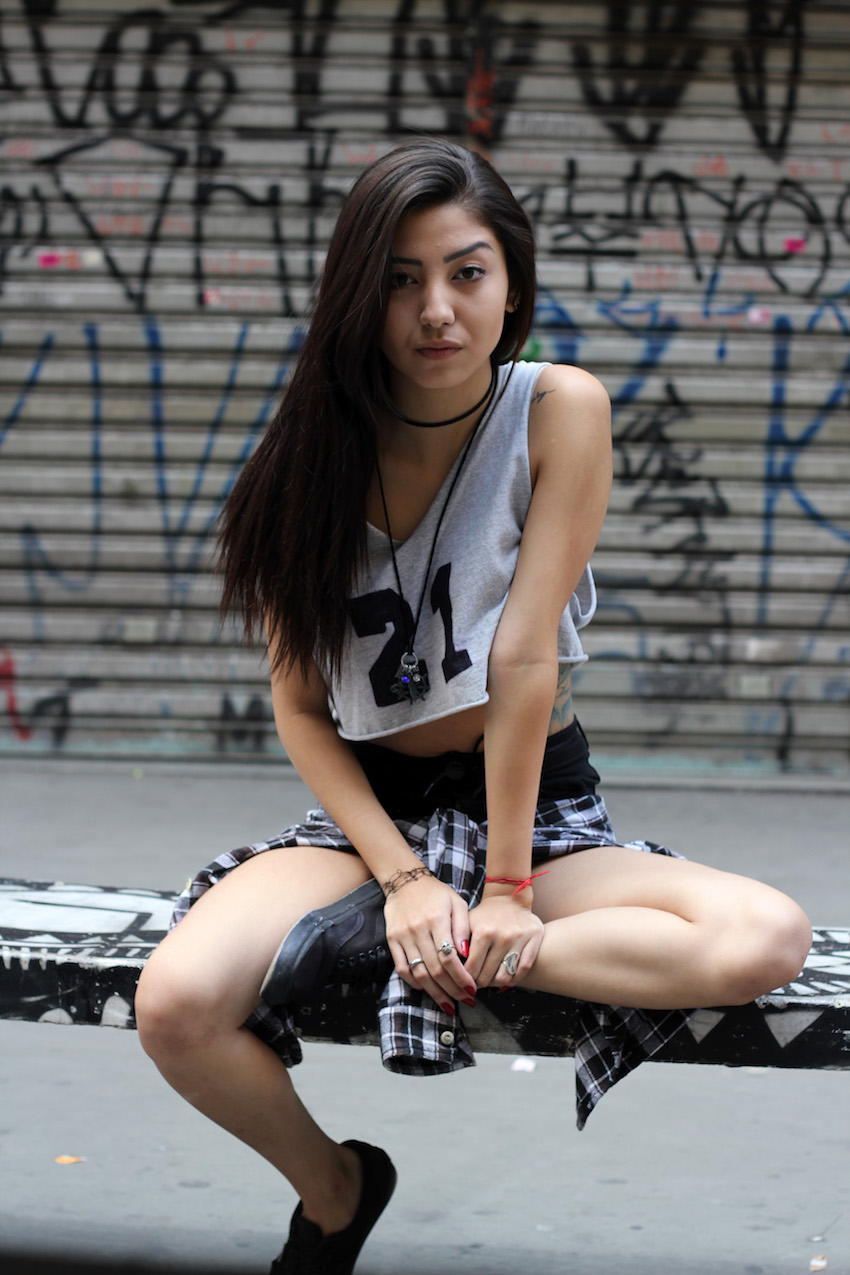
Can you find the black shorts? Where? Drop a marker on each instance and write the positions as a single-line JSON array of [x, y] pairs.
[[414, 787]]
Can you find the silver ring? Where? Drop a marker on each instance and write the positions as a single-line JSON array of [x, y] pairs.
[[417, 960], [511, 962], [447, 948]]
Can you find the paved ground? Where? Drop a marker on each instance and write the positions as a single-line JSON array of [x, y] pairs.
[[692, 1170]]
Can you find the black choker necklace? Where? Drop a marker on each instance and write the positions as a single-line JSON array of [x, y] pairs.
[[453, 420]]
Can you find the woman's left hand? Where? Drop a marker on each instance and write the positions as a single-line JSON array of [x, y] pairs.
[[502, 926]]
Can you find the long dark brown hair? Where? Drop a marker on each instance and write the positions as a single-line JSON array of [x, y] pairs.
[[293, 529]]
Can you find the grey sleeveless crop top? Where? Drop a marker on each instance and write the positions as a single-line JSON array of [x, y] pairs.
[[470, 577]]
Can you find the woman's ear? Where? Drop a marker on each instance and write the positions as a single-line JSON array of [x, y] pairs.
[[513, 303]]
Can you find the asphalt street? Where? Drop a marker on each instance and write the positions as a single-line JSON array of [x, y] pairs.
[[692, 1170]]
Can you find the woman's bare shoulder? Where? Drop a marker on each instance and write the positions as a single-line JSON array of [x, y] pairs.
[[570, 412], [569, 385]]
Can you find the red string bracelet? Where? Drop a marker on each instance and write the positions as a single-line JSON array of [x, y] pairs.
[[521, 883]]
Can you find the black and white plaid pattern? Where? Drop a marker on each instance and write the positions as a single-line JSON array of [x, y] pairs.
[[419, 1039]]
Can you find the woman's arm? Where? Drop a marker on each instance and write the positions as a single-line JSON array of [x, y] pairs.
[[570, 452], [424, 912], [332, 773]]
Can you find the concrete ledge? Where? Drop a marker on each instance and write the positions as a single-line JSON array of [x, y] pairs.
[[73, 953]]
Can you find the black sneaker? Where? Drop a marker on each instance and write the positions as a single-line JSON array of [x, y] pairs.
[[345, 942], [309, 1252]]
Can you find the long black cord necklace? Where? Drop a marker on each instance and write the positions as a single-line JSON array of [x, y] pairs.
[[411, 680]]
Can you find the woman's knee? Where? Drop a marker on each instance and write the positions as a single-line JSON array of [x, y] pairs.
[[766, 944], [174, 1016]]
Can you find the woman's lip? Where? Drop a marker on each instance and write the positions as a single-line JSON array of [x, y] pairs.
[[437, 351]]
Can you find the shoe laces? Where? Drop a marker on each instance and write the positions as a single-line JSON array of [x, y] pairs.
[[365, 966]]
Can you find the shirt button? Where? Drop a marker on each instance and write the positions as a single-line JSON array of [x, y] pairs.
[[447, 1038]]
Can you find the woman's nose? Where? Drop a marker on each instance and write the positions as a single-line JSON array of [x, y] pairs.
[[437, 309]]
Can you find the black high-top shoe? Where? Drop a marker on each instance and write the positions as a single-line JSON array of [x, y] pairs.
[[345, 942]]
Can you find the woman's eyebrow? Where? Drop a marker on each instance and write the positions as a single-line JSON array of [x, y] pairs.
[[453, 256], [480, 243]]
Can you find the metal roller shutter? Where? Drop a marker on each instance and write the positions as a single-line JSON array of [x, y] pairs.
[[169, 179]]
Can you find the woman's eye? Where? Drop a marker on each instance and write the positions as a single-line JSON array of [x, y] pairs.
[[400, 278], [470, 273]]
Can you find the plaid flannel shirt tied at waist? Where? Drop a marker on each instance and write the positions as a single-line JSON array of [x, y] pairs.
[[418, 1038]]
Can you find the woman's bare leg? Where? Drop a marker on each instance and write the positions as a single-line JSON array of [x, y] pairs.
[[626, 927], [201, 984]]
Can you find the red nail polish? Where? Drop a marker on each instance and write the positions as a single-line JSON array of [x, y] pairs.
[[450, 1009], [471, 991], [470, 1003], [464, 949], [506, 989]]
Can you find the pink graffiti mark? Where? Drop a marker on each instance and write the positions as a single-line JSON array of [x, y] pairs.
[[835, 133], [712, 166], [71, 259], [8, 691], [250, 42], [359, 155], [794, 244], [238, 299], [19, 148]]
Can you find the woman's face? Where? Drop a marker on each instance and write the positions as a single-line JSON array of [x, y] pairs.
[[447, 304]]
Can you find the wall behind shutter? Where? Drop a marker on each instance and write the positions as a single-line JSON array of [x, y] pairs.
[[169, 177]]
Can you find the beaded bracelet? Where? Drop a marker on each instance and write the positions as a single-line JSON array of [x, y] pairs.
[[402, 876], [521, 883]]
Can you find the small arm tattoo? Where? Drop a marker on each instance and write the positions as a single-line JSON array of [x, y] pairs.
[[562, 710], [541, 394]]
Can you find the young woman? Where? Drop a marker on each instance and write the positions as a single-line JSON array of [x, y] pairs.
[[413, 534]]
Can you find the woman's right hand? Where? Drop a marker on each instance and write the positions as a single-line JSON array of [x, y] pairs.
[[422, 916]]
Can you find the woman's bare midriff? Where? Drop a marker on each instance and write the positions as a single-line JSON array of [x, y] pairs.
[[462, 732]]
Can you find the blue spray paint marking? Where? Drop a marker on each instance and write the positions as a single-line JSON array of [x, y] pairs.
[[711, 311], [782, 454], [36, 560], [35, 372], [551, 316], [832, 305], [837, 688], [262, 415], [181, 578], [656, 334], [173, 531], [775, 430]]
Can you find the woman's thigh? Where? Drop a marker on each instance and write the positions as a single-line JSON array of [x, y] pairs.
[[620, 876], [742, 938], [217, 955]]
